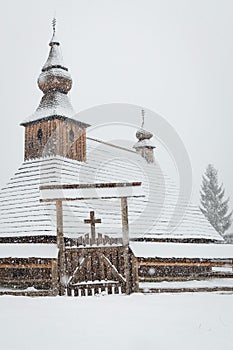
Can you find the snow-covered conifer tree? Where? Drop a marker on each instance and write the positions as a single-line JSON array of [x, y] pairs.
[[213, 205]]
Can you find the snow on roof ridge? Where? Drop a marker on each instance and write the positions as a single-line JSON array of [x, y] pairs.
[[111, 144]]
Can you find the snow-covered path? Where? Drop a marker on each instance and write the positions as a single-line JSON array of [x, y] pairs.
[[178, 321]]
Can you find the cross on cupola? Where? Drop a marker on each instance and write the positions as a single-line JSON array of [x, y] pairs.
[[143, 118], [92, 221], [144, 146]]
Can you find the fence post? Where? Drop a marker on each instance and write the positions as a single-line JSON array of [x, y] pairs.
[[61, 248]]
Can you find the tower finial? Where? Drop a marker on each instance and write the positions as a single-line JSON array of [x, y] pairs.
[[54, 40], [54, 22], [143, 118]]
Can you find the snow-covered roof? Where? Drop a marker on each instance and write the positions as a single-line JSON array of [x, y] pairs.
[[156, 215], [182, 250], [10, 250], [55, 57], [53, 103], [55, 72], [144, 143]]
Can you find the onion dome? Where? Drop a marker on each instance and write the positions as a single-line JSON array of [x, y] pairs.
[[54, 75], [55, 82], [142, 134]]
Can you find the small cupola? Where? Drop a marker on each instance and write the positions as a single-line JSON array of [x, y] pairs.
[[144, 146]]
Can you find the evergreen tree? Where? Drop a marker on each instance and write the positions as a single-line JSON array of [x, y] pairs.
[[213, 205]]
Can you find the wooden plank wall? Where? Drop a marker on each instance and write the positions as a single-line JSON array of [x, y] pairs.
[[55, 140], [154, 270], [18, 274]]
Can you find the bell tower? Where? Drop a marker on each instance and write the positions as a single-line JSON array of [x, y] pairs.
[[53, 129]]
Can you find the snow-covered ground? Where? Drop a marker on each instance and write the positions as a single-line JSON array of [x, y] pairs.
[[162, 321]]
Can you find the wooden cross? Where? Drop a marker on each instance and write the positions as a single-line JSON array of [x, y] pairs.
[[92, 221]]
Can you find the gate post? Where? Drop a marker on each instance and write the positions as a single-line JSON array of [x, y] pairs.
[[125, 233], [61, 248]]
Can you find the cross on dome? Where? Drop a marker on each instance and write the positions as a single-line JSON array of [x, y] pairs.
[[54, 22], [143, 118]]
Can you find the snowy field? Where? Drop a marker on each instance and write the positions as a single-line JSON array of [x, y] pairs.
[[178, 321]]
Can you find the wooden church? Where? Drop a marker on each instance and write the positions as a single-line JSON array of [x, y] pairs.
[[82, 217]]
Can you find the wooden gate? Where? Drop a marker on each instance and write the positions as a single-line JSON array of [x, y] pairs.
[[95, 270], [92, 269]]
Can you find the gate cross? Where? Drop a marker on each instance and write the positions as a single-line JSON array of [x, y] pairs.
[[92, 221]]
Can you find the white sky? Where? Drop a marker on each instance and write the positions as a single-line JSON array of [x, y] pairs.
[[172, 57]]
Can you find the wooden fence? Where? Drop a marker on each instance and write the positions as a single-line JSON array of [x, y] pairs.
[[95, 268]]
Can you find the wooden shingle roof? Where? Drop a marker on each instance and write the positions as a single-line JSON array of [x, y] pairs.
[[156, 215]]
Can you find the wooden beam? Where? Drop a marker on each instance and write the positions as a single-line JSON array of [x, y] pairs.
[[161, 263], [78, 271], [113, 269], [204, 276], [25, 280], [26, 266], [86, 198], [75, 192], [99, 185]]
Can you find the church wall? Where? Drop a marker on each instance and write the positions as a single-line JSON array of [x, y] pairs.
[[55, 137]]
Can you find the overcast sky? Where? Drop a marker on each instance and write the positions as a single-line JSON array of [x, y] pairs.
[[174, 57]]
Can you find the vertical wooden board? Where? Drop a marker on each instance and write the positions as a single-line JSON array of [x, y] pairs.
[[62, 139], [101, 261], [77, 259], [114, 258], [135, 274], [54, 278], [84, 146], [106, 240], [58, 137], [98, 264], [87, 239], [54, 137], [68, 262], [100, 239], [95, 266], [80, 241], [108, 270], [69, 291]]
